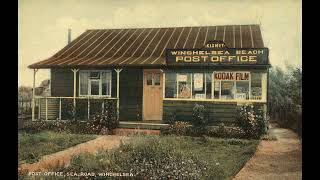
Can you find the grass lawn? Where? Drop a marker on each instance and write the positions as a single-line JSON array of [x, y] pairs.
[[31, 146], [170, 157]]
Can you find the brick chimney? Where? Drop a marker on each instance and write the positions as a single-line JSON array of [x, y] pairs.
[[69, 35]]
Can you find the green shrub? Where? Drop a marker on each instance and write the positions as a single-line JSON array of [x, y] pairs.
[[199, 116], [251, 120], [178, 128]]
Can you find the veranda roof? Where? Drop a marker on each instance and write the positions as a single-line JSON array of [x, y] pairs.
[[145, 46]]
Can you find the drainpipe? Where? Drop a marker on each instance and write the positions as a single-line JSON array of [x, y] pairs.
[[118, 94], [33, 92]]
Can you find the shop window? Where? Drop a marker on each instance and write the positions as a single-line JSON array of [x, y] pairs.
[[95, 83], [256, 86], [170, 85], [227, 90], [184, 85]]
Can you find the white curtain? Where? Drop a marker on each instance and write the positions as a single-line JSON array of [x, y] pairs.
[[84, 82]]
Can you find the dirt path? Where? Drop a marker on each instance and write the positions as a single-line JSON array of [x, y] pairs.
[[62, 158], [280, 159]]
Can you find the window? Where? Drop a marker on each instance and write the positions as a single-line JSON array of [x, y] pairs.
[[95, 83]]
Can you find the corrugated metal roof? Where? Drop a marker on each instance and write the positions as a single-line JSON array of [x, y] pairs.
[[146, 46]]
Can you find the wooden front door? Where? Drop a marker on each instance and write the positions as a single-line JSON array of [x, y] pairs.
[[152, 94]]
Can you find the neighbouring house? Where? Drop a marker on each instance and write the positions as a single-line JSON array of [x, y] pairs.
[[154, 73]]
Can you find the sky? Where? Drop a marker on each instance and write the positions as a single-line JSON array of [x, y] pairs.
[[43, 24]]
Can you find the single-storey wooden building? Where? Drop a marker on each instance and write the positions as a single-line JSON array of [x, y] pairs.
[[154, 73]]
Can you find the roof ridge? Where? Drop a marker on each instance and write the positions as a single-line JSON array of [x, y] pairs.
[[124, 28]]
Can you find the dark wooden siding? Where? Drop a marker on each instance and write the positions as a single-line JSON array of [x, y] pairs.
[[61, 82], [131, 91], [219, 112]]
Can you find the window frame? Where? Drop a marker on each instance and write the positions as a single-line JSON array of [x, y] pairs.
[[100, 83]]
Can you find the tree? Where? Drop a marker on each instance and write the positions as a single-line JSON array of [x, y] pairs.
[[285, 96]]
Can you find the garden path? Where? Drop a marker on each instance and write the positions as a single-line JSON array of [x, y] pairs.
[[280, 159], [63, 158]]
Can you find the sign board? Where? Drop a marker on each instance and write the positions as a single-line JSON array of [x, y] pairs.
[[182, 77], [231, 76], [216, 53]]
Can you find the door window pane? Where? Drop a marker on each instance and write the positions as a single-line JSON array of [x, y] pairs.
[[156, 79], [95, 87], [149, 79]]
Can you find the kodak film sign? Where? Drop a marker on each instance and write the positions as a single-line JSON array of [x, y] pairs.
[[216, 53]]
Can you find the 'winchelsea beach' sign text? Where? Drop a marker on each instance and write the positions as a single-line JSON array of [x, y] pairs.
[[216, 56]]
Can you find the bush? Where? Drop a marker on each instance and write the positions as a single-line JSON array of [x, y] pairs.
[[251, 120], [178, 128], [102, 123], [199, 116]]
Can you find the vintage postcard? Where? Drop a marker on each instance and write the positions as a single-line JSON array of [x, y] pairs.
[[160, 89]]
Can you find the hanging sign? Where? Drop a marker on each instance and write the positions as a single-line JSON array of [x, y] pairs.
[[198, 81]]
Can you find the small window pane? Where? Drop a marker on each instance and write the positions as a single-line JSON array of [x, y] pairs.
[[208, 85], [156, 79], [216, 89], [184, 85], [94, 87], [227, 89], [149, 79], [198, 86], [242, 90], [106, 79], [84, 83], [256, 89], [170, 85]]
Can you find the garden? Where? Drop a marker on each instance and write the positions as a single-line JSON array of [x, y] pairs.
[[183, 150]]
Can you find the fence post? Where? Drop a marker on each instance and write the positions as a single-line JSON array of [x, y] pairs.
[[60, 109], [88, 108], [46, 108], [39, 109]]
